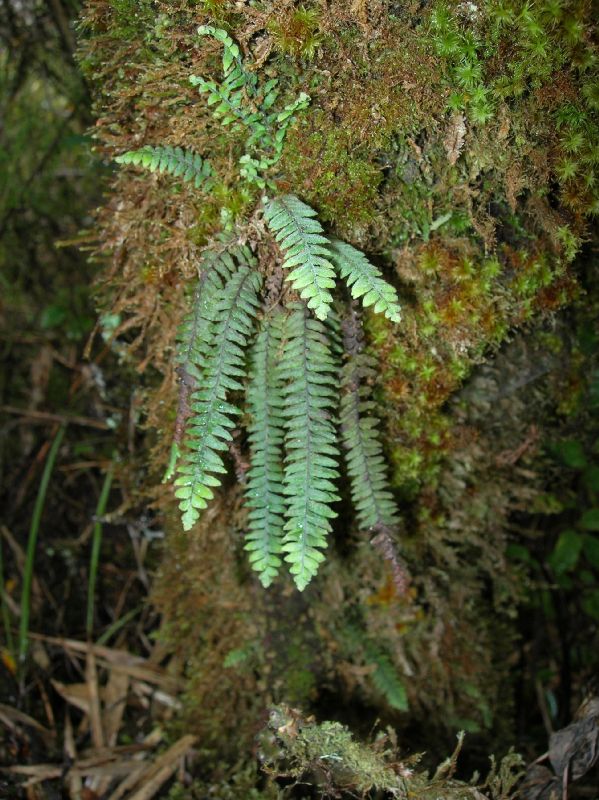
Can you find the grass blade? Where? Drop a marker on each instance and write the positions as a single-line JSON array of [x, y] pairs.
[[32, 545], [95, 554]]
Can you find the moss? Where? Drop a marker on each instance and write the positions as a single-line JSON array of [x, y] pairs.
[[131, 18], [318, 165], [296, 31], [462, 160]]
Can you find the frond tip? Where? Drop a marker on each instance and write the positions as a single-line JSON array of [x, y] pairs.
[[302, 240], [365, 280], [184, 164]]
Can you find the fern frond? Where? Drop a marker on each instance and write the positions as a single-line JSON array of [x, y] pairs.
[[264, 493], [209, 428], [374, 503], [364, 279], [194, 337], [306, 250], [230, 98], [310, 440], [386, 679], [231, 53], [184, 164]]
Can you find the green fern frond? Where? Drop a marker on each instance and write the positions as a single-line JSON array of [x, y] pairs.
[[364, 279], [208, 430], [194, 337], [264, 493], [306, 250], [184, 164], [374, 503], [310, 440], [230, 98], [387, 681], [231, 54]]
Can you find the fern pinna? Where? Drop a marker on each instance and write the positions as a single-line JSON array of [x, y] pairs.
[[290, 398]]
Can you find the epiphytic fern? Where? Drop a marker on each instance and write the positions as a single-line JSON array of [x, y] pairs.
[[386, 679], [264, 493], [314, 257], [208, 430], [240, 102], [194, 336], [372, 500], [364, 279], [229, 98], [291, 396], [175, 161], [311, 463], [306, 250]]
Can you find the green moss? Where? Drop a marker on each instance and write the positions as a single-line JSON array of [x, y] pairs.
[[296, 32], [132, 18], [318, 164]]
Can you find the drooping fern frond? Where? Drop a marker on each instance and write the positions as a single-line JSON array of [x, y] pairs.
[[364, 279], [209, 428], [194, 336], [386, 679], [384, 675], [264, 493], [301, 238], [310, 441], [374, 503], [184, 164]]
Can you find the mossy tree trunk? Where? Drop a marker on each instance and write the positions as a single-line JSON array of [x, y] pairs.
[[455, 145]]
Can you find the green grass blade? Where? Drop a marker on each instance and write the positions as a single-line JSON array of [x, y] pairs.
[[95, 554], [32, 545], [118, 624]]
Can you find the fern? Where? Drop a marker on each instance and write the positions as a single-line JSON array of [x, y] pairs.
[[240, 102], [208, 431], [306, 250], [175, 161], [384, 675], [194, 336], [372, 500], [364, 280], [264, 494], [386, 679], [310, 440]]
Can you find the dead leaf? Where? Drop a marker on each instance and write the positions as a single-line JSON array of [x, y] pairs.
[[454, 138], [540, 784], [575, 749]]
